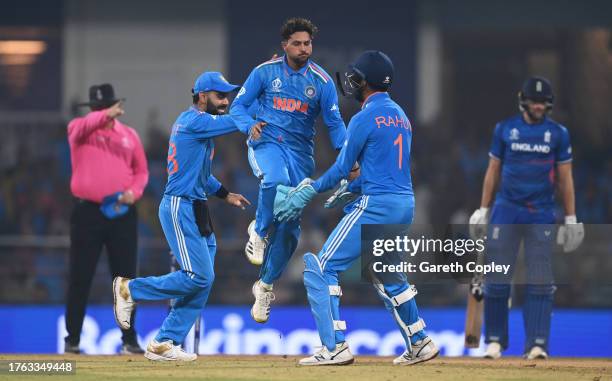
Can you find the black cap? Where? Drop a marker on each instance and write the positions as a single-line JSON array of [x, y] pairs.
[[375, 67], [101, 96]]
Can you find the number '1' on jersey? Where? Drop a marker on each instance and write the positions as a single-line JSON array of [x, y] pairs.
[[379, 138]]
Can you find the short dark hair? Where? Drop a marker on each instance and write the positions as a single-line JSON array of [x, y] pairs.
[[298, 24], [195, 97]]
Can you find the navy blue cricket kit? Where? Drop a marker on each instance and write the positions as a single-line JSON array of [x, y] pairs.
[[523, 211], [190, 154]]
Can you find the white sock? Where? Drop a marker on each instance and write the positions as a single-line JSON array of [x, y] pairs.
[[267, 287]]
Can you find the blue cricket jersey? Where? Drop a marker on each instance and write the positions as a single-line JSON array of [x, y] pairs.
[[190, 153], [529, 154], [379, 138], [289, 102]]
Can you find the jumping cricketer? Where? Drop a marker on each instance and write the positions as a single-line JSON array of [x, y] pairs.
[[292, 91]]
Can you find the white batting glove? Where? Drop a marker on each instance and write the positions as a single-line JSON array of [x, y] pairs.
[[571, 234], [478, 223]]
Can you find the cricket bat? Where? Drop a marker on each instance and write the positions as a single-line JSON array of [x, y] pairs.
[[473, 316]]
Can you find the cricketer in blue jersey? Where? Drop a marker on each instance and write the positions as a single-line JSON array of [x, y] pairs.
[[184, 217], [291, 91], [378, 138], [529, 154]]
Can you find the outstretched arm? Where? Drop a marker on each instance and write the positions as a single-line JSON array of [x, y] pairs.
[[249, 92], [331, 115], [356, 139], [208, 126]]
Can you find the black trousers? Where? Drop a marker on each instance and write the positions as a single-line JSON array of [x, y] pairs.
[[89, 232]]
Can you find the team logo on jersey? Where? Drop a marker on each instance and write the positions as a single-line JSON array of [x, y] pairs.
[[526, 147], [334, 107], [514, 134], [289, 104], [276, 84], [310, 91], [241, 92], [547, 137]]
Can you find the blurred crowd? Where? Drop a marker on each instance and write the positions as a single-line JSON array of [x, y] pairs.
[[447, 173]]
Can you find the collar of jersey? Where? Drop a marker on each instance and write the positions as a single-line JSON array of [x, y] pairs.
[[542, 122], [194, 108], [290, 71], [374, 96]]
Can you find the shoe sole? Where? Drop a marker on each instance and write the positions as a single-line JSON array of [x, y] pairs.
[[539, 357], [346, 362], [153, 357], [253, 262], [115, 293], [490, 357], [419, 360], [256, 320]]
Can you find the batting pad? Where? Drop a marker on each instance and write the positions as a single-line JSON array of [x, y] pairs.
[[318, 297]]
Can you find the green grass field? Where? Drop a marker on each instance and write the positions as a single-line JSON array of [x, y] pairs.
[[100, 368]]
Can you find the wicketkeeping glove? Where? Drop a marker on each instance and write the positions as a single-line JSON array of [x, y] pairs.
[[340, 196], [571, 234], [295, 200], [478, 223]]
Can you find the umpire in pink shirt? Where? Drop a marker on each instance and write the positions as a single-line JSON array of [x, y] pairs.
[[109, 173]]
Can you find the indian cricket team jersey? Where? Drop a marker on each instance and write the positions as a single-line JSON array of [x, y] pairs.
[[529, 153], [379, 138], [191, 150], [289, 102]]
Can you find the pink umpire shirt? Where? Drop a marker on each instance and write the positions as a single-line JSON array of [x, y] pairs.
[[105, 161]]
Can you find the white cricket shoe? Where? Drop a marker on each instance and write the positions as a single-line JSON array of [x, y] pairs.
[[536, 353], [494, 351], [422, 350], [340, 356], [256, 246], [167, 351], [123, 304], [261, 308]]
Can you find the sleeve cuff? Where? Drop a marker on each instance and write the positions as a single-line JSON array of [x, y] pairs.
[[493, 156]]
